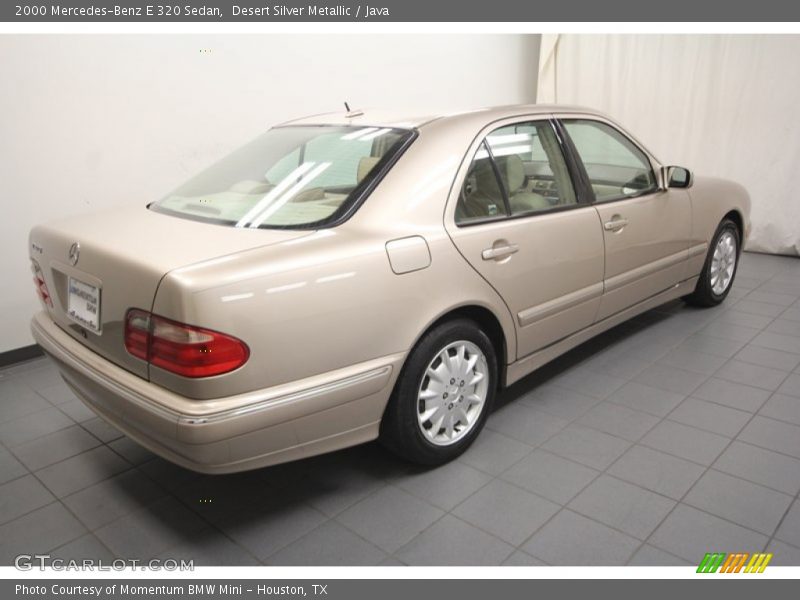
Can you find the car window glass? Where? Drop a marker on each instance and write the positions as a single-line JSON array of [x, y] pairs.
[[617, 168], [284, 166], [294, 176], [344, 158], [481, 197], [532, 167]]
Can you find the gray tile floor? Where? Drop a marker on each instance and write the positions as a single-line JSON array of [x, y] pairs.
[[675, 434]]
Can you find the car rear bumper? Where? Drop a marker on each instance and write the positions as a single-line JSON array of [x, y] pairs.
[[295, 420]]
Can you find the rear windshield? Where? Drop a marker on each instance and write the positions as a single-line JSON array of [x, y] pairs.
[[289, 177]]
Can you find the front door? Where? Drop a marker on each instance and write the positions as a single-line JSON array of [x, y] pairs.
[[646, 229], [519, 223]]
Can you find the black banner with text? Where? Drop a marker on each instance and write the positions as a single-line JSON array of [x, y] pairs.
[[142, 11]]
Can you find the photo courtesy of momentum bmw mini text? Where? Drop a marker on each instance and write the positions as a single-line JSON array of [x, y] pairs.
[[417, 299], [125, 589]]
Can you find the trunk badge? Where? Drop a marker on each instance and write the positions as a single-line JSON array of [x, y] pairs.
[[74, 253]]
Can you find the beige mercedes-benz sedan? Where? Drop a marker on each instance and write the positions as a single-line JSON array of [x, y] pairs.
[[351, 276]]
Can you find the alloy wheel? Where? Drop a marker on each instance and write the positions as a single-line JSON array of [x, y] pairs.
[[452, 393], [723, 263]]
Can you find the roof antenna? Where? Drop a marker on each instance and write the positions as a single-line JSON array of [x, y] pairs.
[[347, 106]]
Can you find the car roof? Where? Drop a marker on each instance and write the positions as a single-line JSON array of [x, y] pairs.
[[387, 118]]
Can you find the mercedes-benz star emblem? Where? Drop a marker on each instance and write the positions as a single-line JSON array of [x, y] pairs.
[[74, 253]]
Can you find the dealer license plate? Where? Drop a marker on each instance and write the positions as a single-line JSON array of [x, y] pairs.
[[84, 304]]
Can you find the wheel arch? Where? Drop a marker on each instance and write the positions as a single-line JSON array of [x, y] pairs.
[[488, 321], [489, 324], [738, 220], [395, 418], [714, 200]]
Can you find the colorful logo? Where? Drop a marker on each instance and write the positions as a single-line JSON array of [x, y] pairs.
[[721, 562]]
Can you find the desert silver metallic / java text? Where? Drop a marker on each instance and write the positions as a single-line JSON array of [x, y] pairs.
[[723, 263], [452, 393]]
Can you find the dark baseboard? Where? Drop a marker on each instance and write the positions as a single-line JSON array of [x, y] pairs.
[[770, 254], [20, 354]]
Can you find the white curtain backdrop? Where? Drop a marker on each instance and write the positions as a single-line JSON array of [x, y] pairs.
[[722, 105]]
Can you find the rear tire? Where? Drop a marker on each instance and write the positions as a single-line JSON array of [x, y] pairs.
[[443, 396], [720, 267]]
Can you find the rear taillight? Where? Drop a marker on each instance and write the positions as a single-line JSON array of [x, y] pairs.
[[182, 349], [41, 286], [137, 333]]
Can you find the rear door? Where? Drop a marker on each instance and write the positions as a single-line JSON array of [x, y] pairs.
[[515, 216], [646, 229]]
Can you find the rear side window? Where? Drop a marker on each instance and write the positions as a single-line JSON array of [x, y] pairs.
[[481, 197], [518, 170], [617, 168], [289, 177], [532, 167]]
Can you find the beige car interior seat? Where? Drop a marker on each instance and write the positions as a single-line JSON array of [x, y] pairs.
[[513, 171], [480, 196], [365, 165], [249, 186]]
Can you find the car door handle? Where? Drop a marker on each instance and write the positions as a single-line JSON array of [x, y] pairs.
[[499, 252], [615, 224]]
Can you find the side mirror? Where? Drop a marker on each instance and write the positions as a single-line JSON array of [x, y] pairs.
[[678, 177]]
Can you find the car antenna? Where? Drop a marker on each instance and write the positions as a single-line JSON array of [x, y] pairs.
[[352, 112]]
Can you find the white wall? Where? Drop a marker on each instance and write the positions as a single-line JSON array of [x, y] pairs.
[[95, 121], [723, 105]]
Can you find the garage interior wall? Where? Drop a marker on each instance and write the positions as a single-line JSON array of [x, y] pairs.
[[723, 105], [91, 122]]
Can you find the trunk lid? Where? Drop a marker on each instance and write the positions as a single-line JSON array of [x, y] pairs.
[[122, 255]]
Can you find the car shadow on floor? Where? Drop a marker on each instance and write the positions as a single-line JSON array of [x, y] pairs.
[[583, 353]]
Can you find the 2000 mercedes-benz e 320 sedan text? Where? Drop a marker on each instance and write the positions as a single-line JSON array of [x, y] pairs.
[[360, 275]]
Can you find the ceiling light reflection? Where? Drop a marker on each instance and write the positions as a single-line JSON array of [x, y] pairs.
[[285, 288], [305, 179], [274, 193], [358, 133], [235, 297], [337, 277]]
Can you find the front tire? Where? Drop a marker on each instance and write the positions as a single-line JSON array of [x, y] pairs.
[[443, 396], [720, 267]]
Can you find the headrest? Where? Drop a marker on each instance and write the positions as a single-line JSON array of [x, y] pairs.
[[251, 187], [316, 193], [514, 170], [485, 179], [365, 165]]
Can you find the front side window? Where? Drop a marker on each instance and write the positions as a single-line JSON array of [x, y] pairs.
[[288, 177], [519, 169], [617, 168]]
